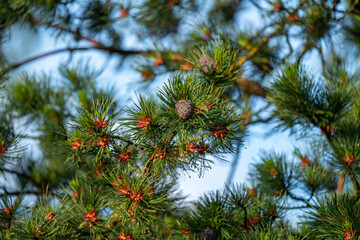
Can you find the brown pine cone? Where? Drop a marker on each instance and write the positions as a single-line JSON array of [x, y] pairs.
[[207, 64], [184, 108]]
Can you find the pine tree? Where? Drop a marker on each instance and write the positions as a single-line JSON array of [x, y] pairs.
[[109, 171]]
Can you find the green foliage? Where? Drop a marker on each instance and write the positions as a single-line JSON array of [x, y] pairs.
[[316, 23], [237, 211], [266, 58], [271, 233], [99, 172], [316, 173], [274, 174], [164, 129], [228, 63], [211, 211], [12, 207], [127, 170], [97, 16], [43, 7], [224, 11], [8, 139], [169, 10], [301, 100], [93, 133], [334, 216], [37, 100]]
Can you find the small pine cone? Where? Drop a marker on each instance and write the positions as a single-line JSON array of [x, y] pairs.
[[207, 64], [208, 234], [184, 108]]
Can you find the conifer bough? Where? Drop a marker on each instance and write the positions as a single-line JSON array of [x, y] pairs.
[[121, 169]]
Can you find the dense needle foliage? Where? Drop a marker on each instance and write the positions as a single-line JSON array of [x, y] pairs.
[[106, 169]]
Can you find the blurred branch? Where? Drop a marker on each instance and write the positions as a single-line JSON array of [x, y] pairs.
[[19, 64], [289, 44], [263, 41], [233, 166], [261, 120], [251, 87], [29, 192], [23, 175], [306, 201], [304, 51], [245, 217], [322, 59], [298, 207], [109, 49], [256, 4]]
